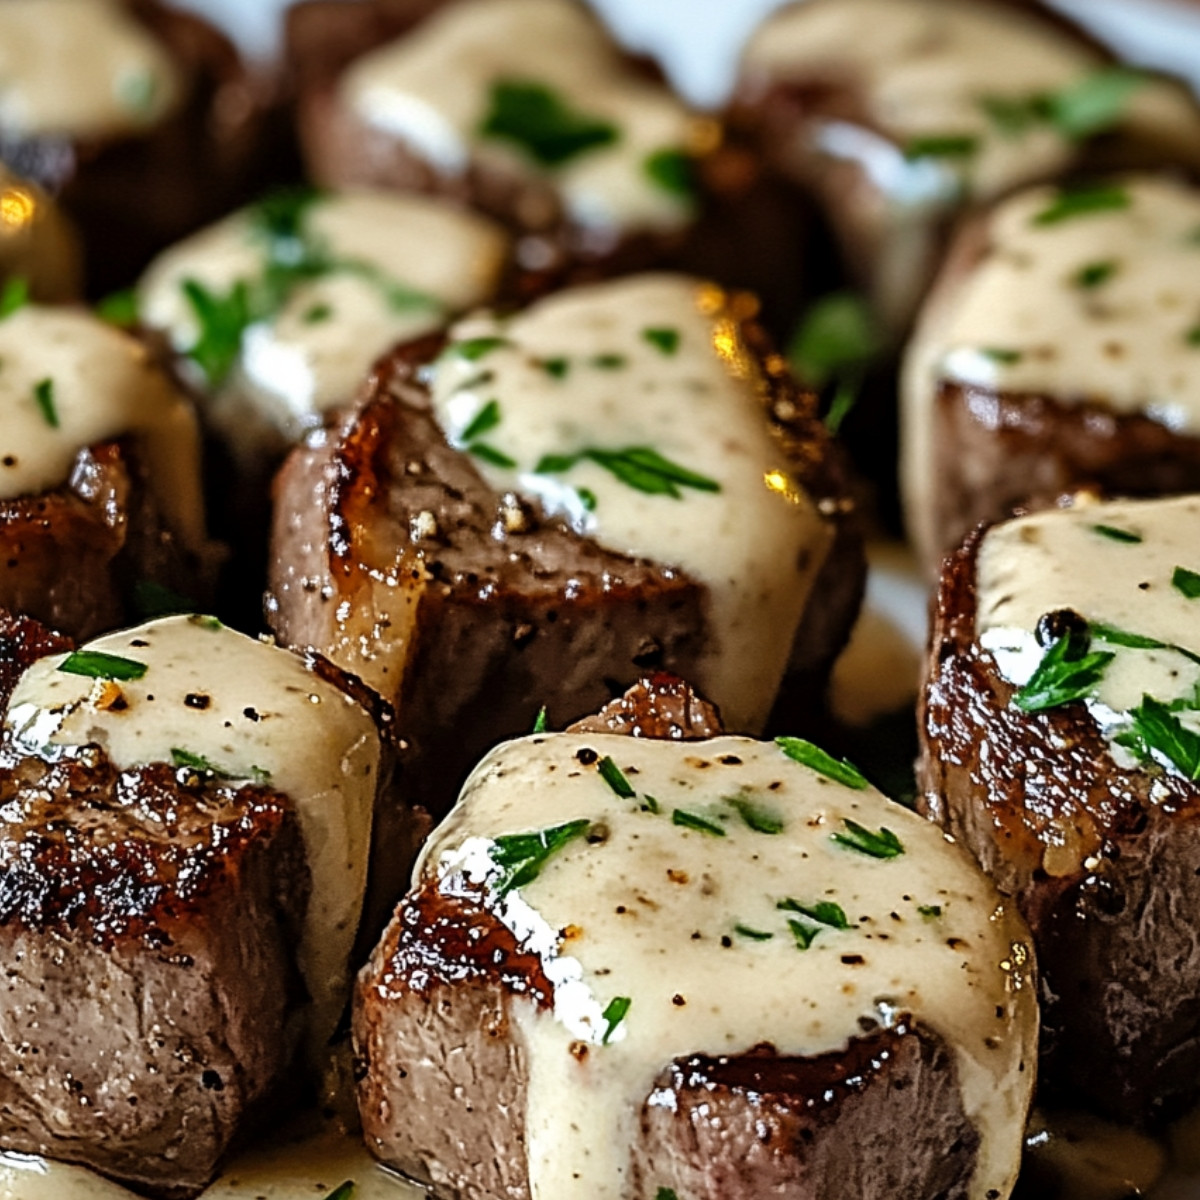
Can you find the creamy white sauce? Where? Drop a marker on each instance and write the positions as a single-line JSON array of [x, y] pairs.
[[757, 543], [1021, 321], [923, 67], [431, 89], [651, 912], [97, 383], [1060, 560], [257, 712], [317, 348], [81, 69]]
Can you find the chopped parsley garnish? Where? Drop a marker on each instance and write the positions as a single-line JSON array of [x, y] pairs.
[[484, 421], [539, 724], [490, 454], [662, 338], [521, 856], [206, 622], [197, 762], [1095, 103], [884, 844], [930, 911], [153, 599], [950, 145], [14, 295], [614, 1014], [614, 777], [673, 171], [1192, 337], [1116, 534], [556, 368], [1186, 582], [665, 1193], [280, 215], [804, 934], [1083, 200], [1159, 729], [119, 308], [1013, 115], [535, 118], [1069, 670], [759, 817], [95, 664], [639, 467], [824, 912], [755, 935], [816, 759], [650, 804], [1136, 641], [691, 820], [1094, 274], [316, 314], [343, 1191], [608, 362], [999, 354], [835, 342], [473, 349], [587, 498], [223, 319], [43, 397]]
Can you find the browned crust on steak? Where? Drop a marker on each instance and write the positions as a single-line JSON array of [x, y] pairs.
[[442, 1073], [1107, 876], [72, 557]]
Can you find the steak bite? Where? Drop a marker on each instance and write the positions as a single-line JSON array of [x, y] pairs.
[[900, 114], [523, 109], [594, 986], [1059, 730], [536, 511], [1058, 351], [186, 819], [100, 505]]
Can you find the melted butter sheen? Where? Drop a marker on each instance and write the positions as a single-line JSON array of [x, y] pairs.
[[431, 89], [120, 79], [102, 385], [318, 348], [247, 707], [652, 912], [757, 544]]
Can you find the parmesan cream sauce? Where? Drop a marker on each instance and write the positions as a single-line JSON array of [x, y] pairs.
[[646, 909], [315, 351], [694, 397], [265, 712], [120, 79], [922, 68], [96, 383], [1020, 321], [431, 90], [1059, 559]]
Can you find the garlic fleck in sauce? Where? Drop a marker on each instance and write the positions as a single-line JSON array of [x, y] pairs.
[[1086, 559], [389, 268], [1102, 306], [657, 362], [432, 89], [659, 913], [81, 69], [68, 381], [255, 712]]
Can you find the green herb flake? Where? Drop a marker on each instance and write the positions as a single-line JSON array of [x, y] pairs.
[[43, 397], [343, 1191], [556, 368], [484, 421], [1013, 116], [824, 912], [639, 467], [521, 856], [665, 1193], [650, 804], [930, 911], [539, 723], [1083, 200], [223, 318], [755, 935], [836, 335], [536, 119], [205, 622], [804, 934], [759, 817], [317, 314], [1094, 274], [196, 762], [951, 145], [816, 759], [673, 171], [280, 215], [884, 844], [153, 599], [663, 339], [1069, 671], [473, 349], [691, 820], [1115, 534], [1192, 337], [1095, 103], [489, 454], [614, 1014], [14, 295], [615, 778], [1001, 355], [95, 664], [1159, 729], [587, 498], [119, 308], [608, 362], [1186, 582]]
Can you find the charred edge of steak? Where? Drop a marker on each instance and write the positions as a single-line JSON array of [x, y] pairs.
[[1103, 867], [23, 640], [660, 706]]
